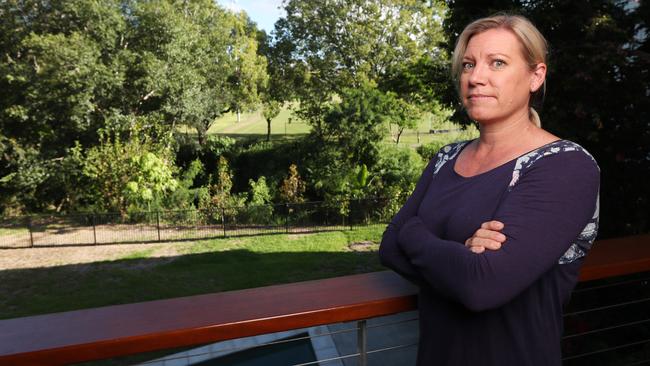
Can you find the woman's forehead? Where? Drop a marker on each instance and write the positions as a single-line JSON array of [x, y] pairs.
[[494, 41]]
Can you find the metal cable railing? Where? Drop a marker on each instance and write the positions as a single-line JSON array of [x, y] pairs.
[[614, 333], [606, 322], [361, 329]]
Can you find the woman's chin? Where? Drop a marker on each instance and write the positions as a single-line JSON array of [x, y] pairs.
[[480, 116]]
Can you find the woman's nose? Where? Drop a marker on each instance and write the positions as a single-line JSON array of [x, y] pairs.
[[477, 75]]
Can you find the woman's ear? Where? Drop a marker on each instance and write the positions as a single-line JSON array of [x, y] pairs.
[[537, 77]]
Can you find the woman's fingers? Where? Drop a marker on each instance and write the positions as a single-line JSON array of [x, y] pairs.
[[492, 225], [490, 234], [487, 237], [483, 242], [477, 250]]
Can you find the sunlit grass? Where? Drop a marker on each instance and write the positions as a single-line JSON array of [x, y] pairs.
[[287, 125], [196, 268]]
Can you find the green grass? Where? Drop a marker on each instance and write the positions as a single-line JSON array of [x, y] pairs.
[[286, 125], [202, 267], [253, 125], [14, 231]]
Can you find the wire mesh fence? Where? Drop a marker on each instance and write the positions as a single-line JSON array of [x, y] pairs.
[[157, 226]]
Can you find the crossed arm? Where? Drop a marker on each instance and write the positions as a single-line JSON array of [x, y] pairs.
[[541, 216]]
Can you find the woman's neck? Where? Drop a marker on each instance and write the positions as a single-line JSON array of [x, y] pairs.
[[499, 137]]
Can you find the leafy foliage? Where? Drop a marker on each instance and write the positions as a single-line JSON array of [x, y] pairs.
[[351, 43], [131, 175], [293, 187], [73, 68]]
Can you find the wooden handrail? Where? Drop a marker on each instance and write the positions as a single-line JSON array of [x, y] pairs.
[[106, 332]]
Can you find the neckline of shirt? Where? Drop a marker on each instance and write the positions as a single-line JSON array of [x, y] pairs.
[[453, 161]]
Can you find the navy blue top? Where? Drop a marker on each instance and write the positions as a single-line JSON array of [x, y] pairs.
[[500, 307]]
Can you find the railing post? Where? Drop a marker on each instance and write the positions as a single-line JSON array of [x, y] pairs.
[[92, 219], [31, 234], [362, 342], [158, 223]]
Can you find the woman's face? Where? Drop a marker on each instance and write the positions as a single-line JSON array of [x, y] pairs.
[[495, 80]]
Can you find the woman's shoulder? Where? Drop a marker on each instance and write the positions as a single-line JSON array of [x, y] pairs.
[[561, 149], [555, 158], [446, 153]]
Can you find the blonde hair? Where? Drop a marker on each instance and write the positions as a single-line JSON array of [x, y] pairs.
[[534, 48]]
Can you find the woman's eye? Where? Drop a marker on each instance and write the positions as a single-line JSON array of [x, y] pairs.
[[467, 65], [499, 63]]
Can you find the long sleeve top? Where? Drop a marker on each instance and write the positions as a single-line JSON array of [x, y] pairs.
[[499, 307]]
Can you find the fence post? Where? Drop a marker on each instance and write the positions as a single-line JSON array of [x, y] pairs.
[[286, 219], [92, 218], [158, 223], [350, 213], [31, 235], [223, 220]]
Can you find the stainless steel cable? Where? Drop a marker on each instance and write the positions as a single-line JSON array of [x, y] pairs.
[[607, 307], [606, 328], [605, 350]]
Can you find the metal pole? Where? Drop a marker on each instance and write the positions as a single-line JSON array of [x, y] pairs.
[[362, 342], [286, 219], [92, 217], [158, 223], [31, 235], [350, 213]]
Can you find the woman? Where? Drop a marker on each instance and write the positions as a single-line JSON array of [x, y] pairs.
[[497, 228]]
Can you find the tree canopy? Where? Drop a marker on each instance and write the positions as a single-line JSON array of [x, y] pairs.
[[73, 68]]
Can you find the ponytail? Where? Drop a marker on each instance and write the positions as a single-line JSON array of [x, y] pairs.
[[534, 117]]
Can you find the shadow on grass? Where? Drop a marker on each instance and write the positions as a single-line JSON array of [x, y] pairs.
[[25, 292]]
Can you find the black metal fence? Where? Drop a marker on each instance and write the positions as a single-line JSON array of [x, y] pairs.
[[155, 226]]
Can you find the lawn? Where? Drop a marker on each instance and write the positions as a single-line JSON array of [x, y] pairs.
[[287, 125], [195, 268]]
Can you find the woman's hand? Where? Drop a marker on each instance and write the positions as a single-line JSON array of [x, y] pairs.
[[487, 237]]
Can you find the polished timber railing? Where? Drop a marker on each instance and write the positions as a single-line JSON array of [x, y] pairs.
[[113, 331]]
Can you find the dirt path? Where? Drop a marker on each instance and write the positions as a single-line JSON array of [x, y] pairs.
[[50, 257]]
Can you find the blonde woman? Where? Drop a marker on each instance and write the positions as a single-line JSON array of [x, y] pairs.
[[497, 227]]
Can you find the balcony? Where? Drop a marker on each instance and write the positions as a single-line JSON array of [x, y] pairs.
[[600, 329]]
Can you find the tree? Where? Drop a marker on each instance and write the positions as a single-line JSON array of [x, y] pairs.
[[278, 88], [73, 68], [403, 115], [348, 43], [270, 110], [358, 123], [293, 187], [206, 57], [58, 73]]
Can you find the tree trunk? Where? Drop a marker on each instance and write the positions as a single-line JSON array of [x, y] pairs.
[[399, 134], [201, 135], [238, 116], [268, 130]]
